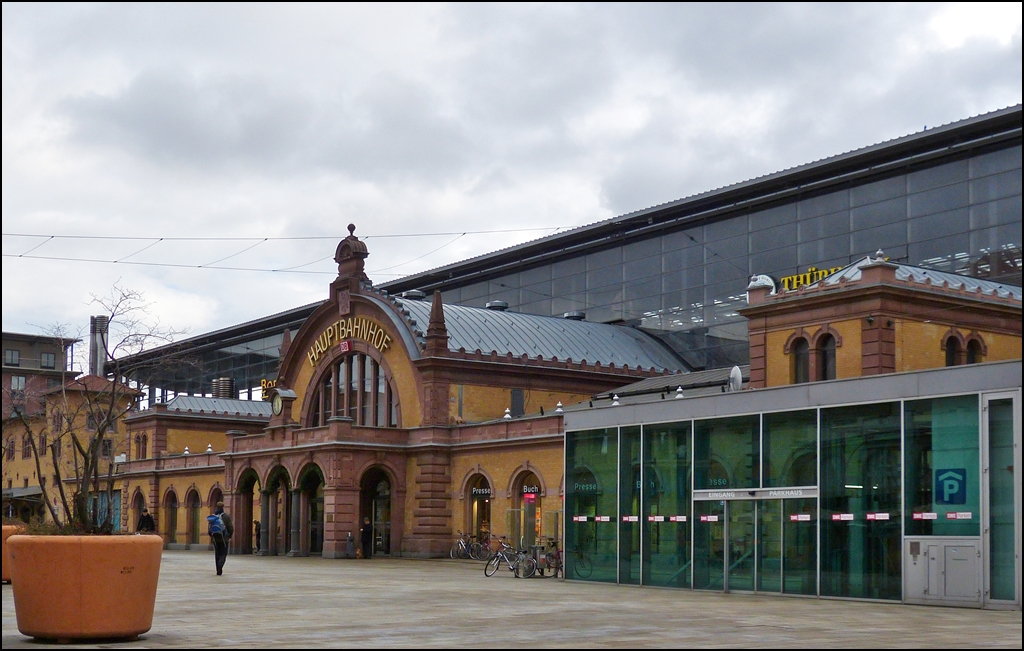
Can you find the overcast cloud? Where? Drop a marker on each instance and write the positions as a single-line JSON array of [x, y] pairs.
[[263, 121]]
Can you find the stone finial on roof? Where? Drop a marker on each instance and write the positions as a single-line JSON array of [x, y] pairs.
[[437, 331], [350, 256]]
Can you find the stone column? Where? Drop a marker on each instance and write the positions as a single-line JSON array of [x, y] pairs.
[[264, 523], [293, 537]]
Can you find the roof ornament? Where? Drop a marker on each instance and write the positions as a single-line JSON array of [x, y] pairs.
[[679, 393], [508, 414], [879, 256], [615, 400], [186, 452], [209, 448], [761, 280], [558, 408]]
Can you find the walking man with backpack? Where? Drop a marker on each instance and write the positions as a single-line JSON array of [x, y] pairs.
[[220, 529]]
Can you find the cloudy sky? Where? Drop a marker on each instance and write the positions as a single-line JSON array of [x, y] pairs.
[[211, 156]]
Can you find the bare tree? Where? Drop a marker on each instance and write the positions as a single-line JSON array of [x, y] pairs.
[[84, 416]]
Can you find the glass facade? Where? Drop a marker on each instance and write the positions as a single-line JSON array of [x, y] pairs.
[[807, 502], [684, 285]]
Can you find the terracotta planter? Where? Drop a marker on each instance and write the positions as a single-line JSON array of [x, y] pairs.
[[9, 530], [79, 587]]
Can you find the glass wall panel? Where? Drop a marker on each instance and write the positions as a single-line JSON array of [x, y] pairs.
[[934, 177], [800, 546], [726, 453], [769, 546], [943, 484], [591, 459], [937, 200], [878, 214], [823, 204], [709, 545], [791, 449], [1002, 543], [878, 191], [997, 186], [784, 214], [629, 505], [666, 500], [996, 213], [999, 161], [860, 479]]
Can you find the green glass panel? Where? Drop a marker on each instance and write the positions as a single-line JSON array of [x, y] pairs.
[[769, 546], [791, 449], [1002, 566], [590, 493], [741, 545], [726, 452], [666, 505], [709, 545], [860, 477], [629, 505], [943, 483], [800, 546]]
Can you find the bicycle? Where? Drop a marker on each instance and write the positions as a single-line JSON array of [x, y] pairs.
[[552, 560], [461, 548], [519, 562]]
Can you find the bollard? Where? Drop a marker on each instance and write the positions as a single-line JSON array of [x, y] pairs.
[[350, 546]]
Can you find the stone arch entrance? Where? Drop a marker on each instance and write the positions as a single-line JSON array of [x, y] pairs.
[[479, 495], [171, 517], [278, 509], [246, 539], [311, 488], [525, 516], [375, 491], [193, 515], [138, 503]]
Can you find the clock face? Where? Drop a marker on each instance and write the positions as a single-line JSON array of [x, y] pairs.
[[277, 405]]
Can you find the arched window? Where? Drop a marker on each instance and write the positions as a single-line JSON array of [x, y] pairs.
[[827, 358], [952, 351], [358, 387], [801, 361], [974, 351]]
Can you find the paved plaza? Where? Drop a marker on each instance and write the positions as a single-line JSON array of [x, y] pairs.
[[312, 602]]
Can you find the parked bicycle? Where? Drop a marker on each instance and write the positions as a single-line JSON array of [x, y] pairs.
[[518, 562], [461, 546], [551, 566]]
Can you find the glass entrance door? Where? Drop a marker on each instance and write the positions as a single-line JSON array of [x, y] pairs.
[[1001, 423], [766, 545]]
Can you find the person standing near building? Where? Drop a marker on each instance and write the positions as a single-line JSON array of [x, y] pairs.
[[256, 526], [146, 522], [366, 537], [220, 529]]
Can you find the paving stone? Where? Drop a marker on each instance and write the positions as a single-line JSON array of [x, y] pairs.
[[313, 602]]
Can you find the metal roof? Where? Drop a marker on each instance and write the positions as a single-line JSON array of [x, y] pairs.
[[220, 406], [921, 275], [713, 379], [473, 328]]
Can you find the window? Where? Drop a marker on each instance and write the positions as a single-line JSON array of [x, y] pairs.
[[952, 351], [48, 360], [26, 446], [107, 448], [363, 393], [9, 451], [90, 421], [12, 357], [18, 383], [42, 444], [827, 358], [801, 361], [973, 351]]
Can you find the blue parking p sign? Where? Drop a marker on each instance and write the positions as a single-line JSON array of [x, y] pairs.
[[951, 486]]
